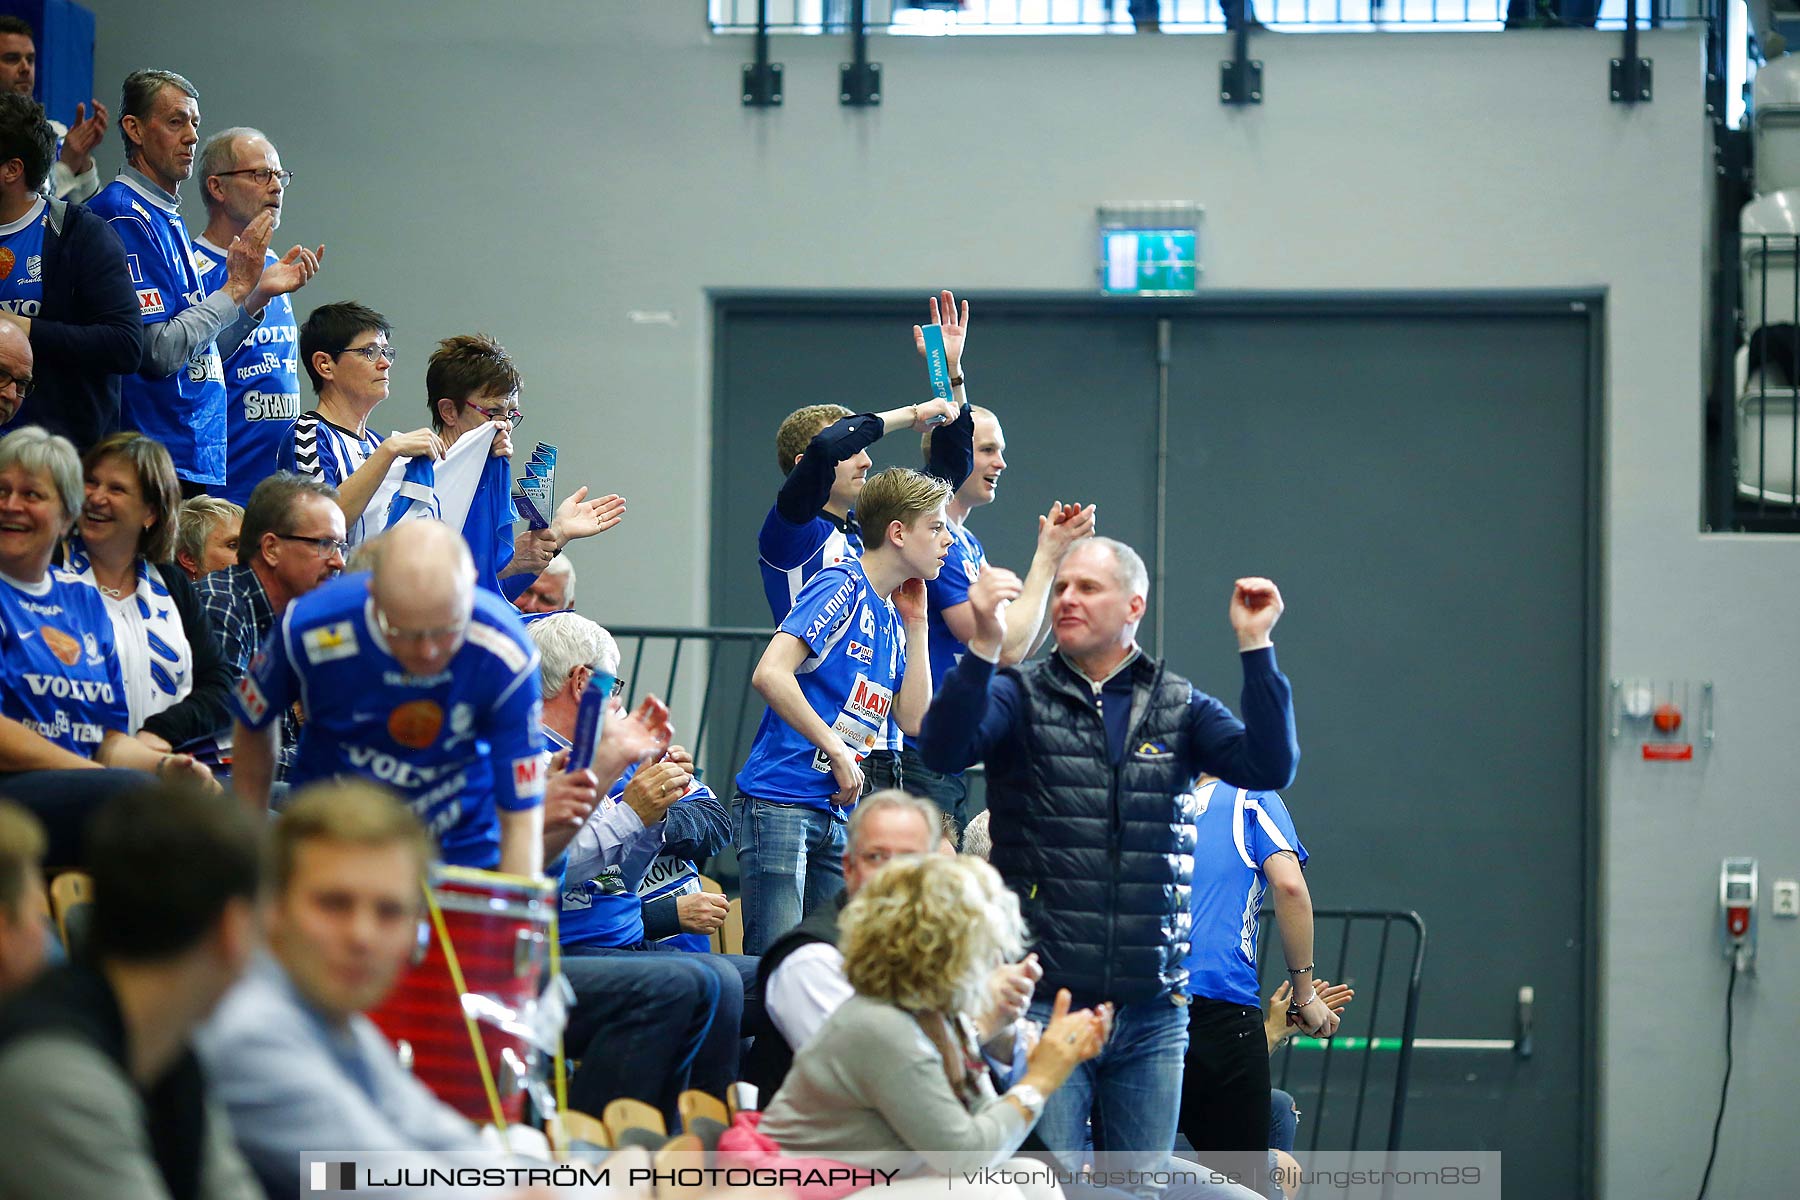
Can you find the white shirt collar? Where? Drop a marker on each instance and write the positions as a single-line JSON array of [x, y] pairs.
[[144, 186], [31, 214]]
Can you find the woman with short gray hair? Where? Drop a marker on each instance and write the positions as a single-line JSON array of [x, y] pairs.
[[62, 693]]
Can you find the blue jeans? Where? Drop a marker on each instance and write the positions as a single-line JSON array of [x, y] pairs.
[[1131, 1091], [1284, 1120], [881, 770], [949, 792], [642, 1023], [790, 861]]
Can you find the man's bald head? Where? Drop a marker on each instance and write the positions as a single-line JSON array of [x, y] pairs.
[[423, 585], [15, 360]]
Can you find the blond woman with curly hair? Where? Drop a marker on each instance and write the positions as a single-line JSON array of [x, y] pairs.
[[894, 1078]]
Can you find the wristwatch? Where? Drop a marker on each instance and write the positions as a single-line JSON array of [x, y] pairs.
[[1029, 1098]]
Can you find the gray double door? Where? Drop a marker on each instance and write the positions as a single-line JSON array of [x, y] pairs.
[[1417, 477]]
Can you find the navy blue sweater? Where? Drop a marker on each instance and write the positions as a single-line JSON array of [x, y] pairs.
[[974, 718], [87, 334]]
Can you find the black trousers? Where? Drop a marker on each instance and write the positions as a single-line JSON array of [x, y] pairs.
[[1225, 1080], [62, 801]]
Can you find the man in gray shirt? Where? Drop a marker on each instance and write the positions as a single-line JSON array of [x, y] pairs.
[[290, 1053], [100, 1094]]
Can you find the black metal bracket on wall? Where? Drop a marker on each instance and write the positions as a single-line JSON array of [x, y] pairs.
[[762, 78], [1240, 76], [1629, 79], [859, 80]]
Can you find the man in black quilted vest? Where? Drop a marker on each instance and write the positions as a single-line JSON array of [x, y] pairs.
[[1092, 755]]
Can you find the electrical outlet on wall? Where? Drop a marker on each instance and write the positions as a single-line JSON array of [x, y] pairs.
[[1786, 898]]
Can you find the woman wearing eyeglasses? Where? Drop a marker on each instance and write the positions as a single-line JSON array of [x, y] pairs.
[[176, 681], [63, 709], [345, 350]]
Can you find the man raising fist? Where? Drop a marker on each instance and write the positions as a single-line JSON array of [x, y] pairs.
[[1091, 759]]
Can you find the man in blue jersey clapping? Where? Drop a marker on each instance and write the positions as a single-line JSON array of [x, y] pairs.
[[952, 622], [412, 676], [178, 393], [833, 675], [241, 177]]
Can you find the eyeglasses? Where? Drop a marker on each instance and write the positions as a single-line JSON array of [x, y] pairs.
[[262, 175], [604, 679], [372, 351], [20, 382], [511, 416], [418, 635], [325, 547]]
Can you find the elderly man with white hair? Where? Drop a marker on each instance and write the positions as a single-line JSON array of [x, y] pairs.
[[658, 901], [552, 591], [628, 872]]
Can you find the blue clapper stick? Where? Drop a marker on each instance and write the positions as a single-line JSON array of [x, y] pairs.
[[937, 363], [588, 719]]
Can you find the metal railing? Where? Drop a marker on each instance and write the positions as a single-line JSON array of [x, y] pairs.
[[949, 17], [1759, 437], [703, 674], [1353, 1086]]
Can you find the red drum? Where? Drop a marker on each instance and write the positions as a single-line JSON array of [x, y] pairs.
[[499, 927]]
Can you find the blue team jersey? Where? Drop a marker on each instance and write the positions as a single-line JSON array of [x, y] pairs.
[[857, 659], [59, 672], [962, 565], [667, 876], [671, 876], [186, 410], [453, 744], [1236, 832], [22, 261], [608, 909], [317, 449], [790, 555], [262, 383]]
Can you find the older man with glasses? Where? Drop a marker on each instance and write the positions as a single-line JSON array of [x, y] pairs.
[[472, 381], [177, 395], [241, 178], [15, 370], [290, 542]]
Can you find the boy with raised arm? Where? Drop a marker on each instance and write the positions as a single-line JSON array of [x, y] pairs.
[[823, 451]]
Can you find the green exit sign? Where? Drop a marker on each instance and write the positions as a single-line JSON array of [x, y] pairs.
[[1149, 262]]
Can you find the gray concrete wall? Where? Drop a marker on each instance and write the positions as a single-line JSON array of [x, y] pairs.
[[544, 171]]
